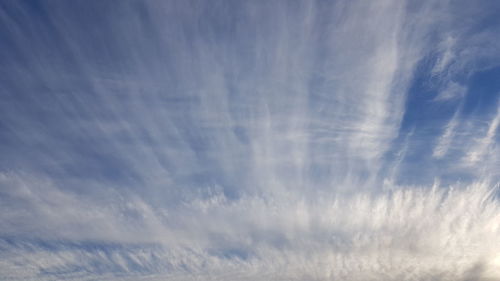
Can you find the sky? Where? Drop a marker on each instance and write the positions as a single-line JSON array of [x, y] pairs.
[[250, 140]]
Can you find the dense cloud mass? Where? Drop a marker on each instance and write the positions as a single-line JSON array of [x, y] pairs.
[[250, 140]]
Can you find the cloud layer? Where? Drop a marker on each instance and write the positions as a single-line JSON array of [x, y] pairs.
[[250, 140], [414, 233]]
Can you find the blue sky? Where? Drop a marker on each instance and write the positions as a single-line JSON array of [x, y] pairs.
[[249, 140]]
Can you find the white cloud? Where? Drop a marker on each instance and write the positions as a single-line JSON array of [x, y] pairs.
[[451, 91], [239, 141], [419, 233], [447, 54], [484, 145], [445, 140]]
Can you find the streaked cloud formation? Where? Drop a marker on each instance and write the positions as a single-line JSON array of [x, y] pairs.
[[249, 140]]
